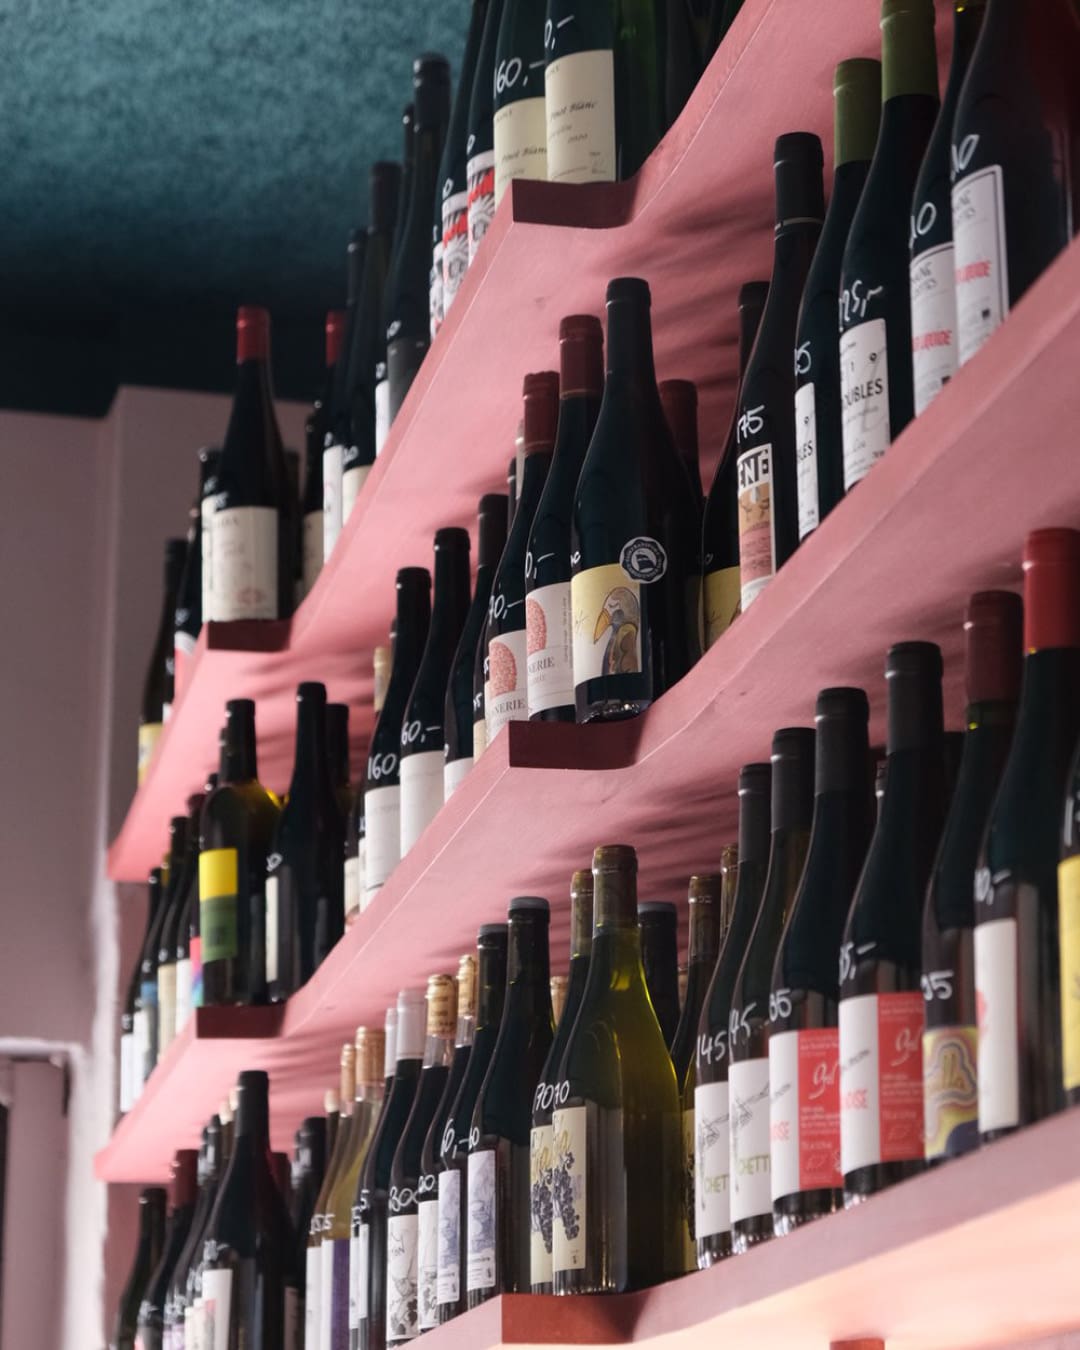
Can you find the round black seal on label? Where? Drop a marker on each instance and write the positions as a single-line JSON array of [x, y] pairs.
[[644, 559]]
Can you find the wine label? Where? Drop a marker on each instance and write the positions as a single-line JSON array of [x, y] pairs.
[[981, 259], [166, 996], [149, 735], [206, 545], [806, 474], [454, 774], [382, 420], [881, 1085], [864, 398], [950, 1091], [804, 1110], [195, 947], [359, 1263], [1069, 946], [748, 1088], [479, 737], [689, 1150], [183, 993], [606, 616], [353, 885], [569, 1139], [427, 1246], [312, 1292], [933, 323], [712, 1168], [723, 599], [541, 1144], [757, 528], [218, 883], [435, 291], [216, 1304], [352, 480], [312, 549], [520, 141], [334, 1318], [272, 887], [401, 1257], [579, 95], [140, 1052], [422, 794], [245, 563], [480, 174], [449, 1255], [455, 257], [332, 468], [996, 997], [166, 708], [509, 697], [550, 630], [127, 1058], [382, 839], [480, 1269]]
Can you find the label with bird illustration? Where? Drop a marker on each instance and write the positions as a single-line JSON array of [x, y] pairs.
[[606, 605]]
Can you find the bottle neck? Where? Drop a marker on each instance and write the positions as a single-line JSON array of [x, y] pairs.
[[704, 932], [630, 348], [427, 149], [490, 986], [581, 925], [842, 757], [239, 763], [310, 764], [451, 593], [534, 475], [413, 618], [252, 1122], [908, 55], [753, 829], [749, 323], [614, 902], [967, 25], [528, 969], [915, 719], [371, 1092]]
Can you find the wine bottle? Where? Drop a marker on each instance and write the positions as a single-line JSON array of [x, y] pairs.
[[188, 615], [548, 612], [1068, 896], [164, 956], [543, 1104], [337, 756], [174, 1004], [369, 1215], [207, 507], [458, 712], [316, 429], [150, 1327], [559, 985], [309, 1172], [358, 1289], [933, 259], [636, 588], [145, 1014], [208, 1172], [520, 116], [498, 1238], [722, 587], [491, 946], [335, 413], [356, 826], [993, 631], [235, 835], [250, 1278], [881, 1003], [318, 1265], [682, 59], [382, 782], [765, 431], [423, 735], [251, 539], [506, 697], [135, 1036], [1017, 960], [712, 1164], [189, 992], [616, 1184], [819, 436], [480, 134], [192, 1289], [679, 399], [804, 1088], [1013, 161], [876, 385], [408, 315], [452, 208], [403, 1221], [427, 1190], [148, 1249], [305, 903], [152, 710], [658, 930]]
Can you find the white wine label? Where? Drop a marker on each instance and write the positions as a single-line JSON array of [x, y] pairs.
[[509, 698], [449, 1280], [712, 1167], [245, 563], [804, 1110], [455, 258], [480, 174], [352, 886], [352, 480], [382, 423], [332, 467], [359, 1247], [382, 838], [806, 471], [183, 993], [520, 143], [723, 602], [454, 774], [166, 984], [422, 794], [216, 1308], [435, 291], [550, 630], [479, 737], [480, 1271], [757, 525], [996, 997], [881, 1087], [149, 735], [312, 1292], [606, 616], [401, 1234], [933, 323], [206, 511], [569, 1215], [272, 887], [127, 1058], [579, 92], [864, 397], [982, 260], [540, 1163], [326, 1294], [312, 550], [751, 1189], [427, 1245]]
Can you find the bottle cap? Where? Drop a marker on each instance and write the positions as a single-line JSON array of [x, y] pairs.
[[857, 91], [252, 333], [993, 643], [581, 355], [559, 985], [331, 1102], [913, 675], [311, 691], [658, 911], [614, 858], [800, 189], [541, 393], [491, 934], [631, 290], [254, 1081], [529, 904], [1051, 589], [431, 89], [441, 1005], [411, 1021], [842, 717], [706, 886], [466, 985], [335, 332], [917, 660], [348, 1075], [370, 1052], [413, 578], [390, 1041], [384, 190], [381, 661]]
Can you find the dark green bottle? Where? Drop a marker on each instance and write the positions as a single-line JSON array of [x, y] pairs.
[[658, 932]]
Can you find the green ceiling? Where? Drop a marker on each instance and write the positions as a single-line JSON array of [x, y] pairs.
[[164, 160]]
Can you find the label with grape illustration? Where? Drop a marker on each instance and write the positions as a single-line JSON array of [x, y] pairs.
[[540, 1160], [569, 1130], [606, 604], [449, 1277]]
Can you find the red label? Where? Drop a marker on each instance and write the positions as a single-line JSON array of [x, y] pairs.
[[900, 1075], [819, 1109]]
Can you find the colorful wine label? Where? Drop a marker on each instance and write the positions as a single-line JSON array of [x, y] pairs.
[[422, 794], [435, 291], [881, 1079], [507, 695], [757, 525], [1069, 945], [723, 602], [401, 1278], [606, 609], [427, 1250], [569, 1215], [195, 948], [550, 631], [806, 468], [540, 1165], [804, 1110], [455, 256], [997, 1001], [933, 323], [950, 1090], [449, 1277], [712, 1169], [480, 1270], [218, 886], [981, 258], [748, 1116], [579, 91], [864, 398], [245, 563], [149, 735], [480, 175]]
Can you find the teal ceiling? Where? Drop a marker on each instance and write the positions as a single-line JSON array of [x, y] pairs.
[[165, 160]]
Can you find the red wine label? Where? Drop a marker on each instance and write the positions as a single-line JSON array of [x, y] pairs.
[[421, 794], [435, 291], [1069, 943], [507, 695], [950, 1090], [245, 563], [540, 1165], [218, 882], [933, 323], [382, 840], [149, 735], [549, 628], [427, 1249], [757, 528], [712, 1168], [332, 469], [748, 1087], [520, 133], [804, 1110], [579, 94], [806, 470], [606, 616], [723, 601], [982, 266], [480, 1271], [455, 257], [401, 1278], [881, 1080], [996, 1005], [864, 397], [569, 1142], [216, 1304], [481, 179], [449, 1277]]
